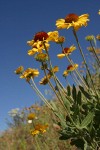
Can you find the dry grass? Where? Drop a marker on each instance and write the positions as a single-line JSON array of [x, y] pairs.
[[19, 137]]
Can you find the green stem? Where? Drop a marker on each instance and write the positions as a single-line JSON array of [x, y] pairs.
[[97, 59], [40, 94], [61, 85], [50, 84], [76, 80], [61, 100], [81, 52], [38, 146]]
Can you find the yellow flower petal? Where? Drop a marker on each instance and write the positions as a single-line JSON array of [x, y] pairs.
[[60, 23], [41, 128], [53, 36], [30, 43], [45, 79], [61, 55], [55, 69], [65, 73], [60, 40], [32, 51], [35, 132], [72, 48]]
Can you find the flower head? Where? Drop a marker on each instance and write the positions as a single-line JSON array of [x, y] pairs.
[[19, 70], [29, 73], [65, 73], [97, 51], [42, 57], [98, 37], [53, 36], [60, 40], [66, 51], [55, 69], [69, 69], [46, 78], [72, 67], [89, 38], [99, 12], [90, 49], [31, 116], [72, 20], [39, 128]]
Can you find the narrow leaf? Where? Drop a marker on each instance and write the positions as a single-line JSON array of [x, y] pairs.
[[86, 80], [74, 93], [68, 90], [87, 120], [86, 94], [79, 98]]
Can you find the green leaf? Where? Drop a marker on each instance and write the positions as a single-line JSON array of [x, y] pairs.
[[79, 98], [62, 120], [68, 90], [74, 93], [67, 104], [87, 120], [54, 105], [86, 94], [85, 145], [86, 79]]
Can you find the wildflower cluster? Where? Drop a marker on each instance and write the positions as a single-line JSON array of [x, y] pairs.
[[78, 116], [37, 127]]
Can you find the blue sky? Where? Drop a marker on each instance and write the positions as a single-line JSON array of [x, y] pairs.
[[19, 21]]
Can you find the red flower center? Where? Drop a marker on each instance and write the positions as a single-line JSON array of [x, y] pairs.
[[40, 36], [71, 17], [69, 67], [65, 50]]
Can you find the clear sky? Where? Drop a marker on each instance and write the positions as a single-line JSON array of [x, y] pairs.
[[19, 21]]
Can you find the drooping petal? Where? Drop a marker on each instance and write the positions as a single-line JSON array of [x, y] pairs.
[[61, 56]]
